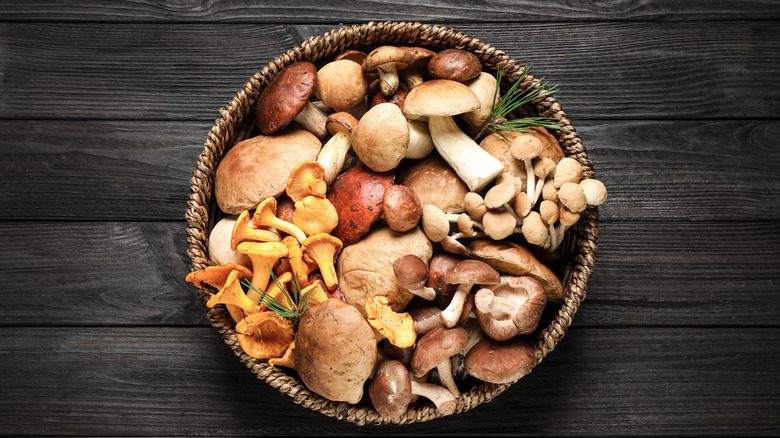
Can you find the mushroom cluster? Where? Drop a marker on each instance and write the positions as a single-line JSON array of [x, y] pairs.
[[370, 236]]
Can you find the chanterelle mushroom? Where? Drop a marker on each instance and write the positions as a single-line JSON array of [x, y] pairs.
[[511, 308], [307, 178], [440, 99], [322, 249], [315, 215]]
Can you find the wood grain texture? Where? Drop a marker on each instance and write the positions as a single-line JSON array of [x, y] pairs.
[[363, 10], [175, 381], [690, 70], [99, 274], [140, 170]]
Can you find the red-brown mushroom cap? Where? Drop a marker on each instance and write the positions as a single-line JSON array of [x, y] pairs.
[[500, 362], [285, 96], [472, 272], [390, 389], [511, 308], [437, 346], [340, 121], [411, 273], [454, 64], [401, 208]]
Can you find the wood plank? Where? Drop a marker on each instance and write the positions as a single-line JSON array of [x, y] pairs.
[[664, 273], [430, 11], [140, 170], [185, 381], [614, 70]]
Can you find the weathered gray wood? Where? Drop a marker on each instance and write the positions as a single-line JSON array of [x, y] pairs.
[[429, 11], [139, 170], [185, 381], [669, 70], [712, 273]]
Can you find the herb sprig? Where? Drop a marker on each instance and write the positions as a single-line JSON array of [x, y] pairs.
[[296, 302], [514, 99]]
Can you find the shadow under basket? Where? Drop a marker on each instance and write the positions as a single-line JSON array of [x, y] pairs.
[[237, 123]]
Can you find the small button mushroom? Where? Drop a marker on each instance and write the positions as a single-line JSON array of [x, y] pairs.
[[500, 362], [522, 204], [381, 137], [436, 183], [435, 349], [499, 224], [534, 229], [341, 84], [543, 167], [286, 98], [391, 390], [401, 208], [567, 218], [411, 273], [595, 192], [466, 274], [511, 308], [435, 223], [572, 196], [525, 148], [454, 64], [440, 99], [567, 170], [475, 205], [549, 191], [334, 151], [500, 194], [549, 211]]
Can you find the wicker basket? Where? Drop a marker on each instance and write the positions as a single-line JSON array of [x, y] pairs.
[[237, 123]]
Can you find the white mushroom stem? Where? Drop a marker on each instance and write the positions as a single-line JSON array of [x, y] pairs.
[[313, 119], [487, 302], [452, 313], [388, 78], [553, 237], [475, 166], [333, 154], [560, 231], [424, 292], [445, 376], [453, 246], [530, 187], [537, 190], [441, 397]]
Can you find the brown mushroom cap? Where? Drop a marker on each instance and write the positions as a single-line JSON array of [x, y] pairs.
[[440, 97], [500, 362], [472, 272], [410, 271], [258, 167], [341, 84], [401, 208], [397, 98], [357, 196], [454, 64], [340, 121], [436, 346], [381, 137], [390, 389], [440, 264], [285, 96], [327, 365], [511, 308], [513, 259], [436, 183]]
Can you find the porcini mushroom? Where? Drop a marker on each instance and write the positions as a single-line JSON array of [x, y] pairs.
[[357, 196], [388, 60], [500, 362], [454, 64], [381, 137], [322, 249], [315, 215], [334, 151], [265, 216], [440, 99], [401, 208], [412, 273], [434, 350], [391, 390], [466, 274], [341, 84], [220, 251], [484, 87], [434, 182], [286, 98], [307, 178], [513, 307]]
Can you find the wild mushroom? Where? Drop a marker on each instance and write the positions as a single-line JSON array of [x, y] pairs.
[[572, 196], [525, 148], [434, 350], [567, 170], [435, 223], [341, 84], [440, 264], [298, 265], [513, 259], [315, 215], [511, 308], [287, 360], [412, 273], [440, 99], [327, 365], [542, 169], [264, 336], [263, 255], [307, 178], [381, 137], [357, 196], [500, 362], [426, 319], [334, 151], [567, 218], [475, 205], [286, 98], [396, 98], [549, 212], [434, 182], [388, 60], [231, 294], [499, 224], [257, 168], [484, 87], [391, 390], [420, 141], [265, 216], [454, 64], [220, 251], [322, 249], [466, 274], [401, 208], [398, 328], [549, 191], [595, 192], [217, 277], [535, 229], [243, 231]]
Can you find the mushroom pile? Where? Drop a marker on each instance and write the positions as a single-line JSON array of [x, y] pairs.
[[374, 237]]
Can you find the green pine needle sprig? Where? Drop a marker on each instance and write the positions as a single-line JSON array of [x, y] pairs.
[[297, 304]]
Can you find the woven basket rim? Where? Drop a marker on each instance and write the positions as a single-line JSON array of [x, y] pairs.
[[226, 129]]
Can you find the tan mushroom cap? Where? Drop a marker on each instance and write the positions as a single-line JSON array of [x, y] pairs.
[[454, 64], [513, 259], [534, 229], [567, 170], [220, 252], [595, 191], [522, 204], [475, 205], [401, 56], [500, 194], [544, 167], [572, 196], [435, 223], [436, 183], [484, 86], [472, 272], [526, 147], [285, 96], [500, 362], [436, 346], [257, 168], [381, 137], [401, 208], [499, 224], [341, 84], [568, 217], [340, 122], [549, 212], [440, 97]]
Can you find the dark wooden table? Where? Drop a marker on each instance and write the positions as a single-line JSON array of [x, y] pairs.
[[104, 109]]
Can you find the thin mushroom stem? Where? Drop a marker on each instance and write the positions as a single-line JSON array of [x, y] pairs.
[[537, 190], [529, 182], [441, 397], [445, 376], [553, 237], [452, 313]]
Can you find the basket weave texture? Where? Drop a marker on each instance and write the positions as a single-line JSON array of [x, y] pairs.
[[236, 123]]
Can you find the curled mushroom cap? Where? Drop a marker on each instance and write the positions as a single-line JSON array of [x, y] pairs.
[[511, 308], [263, 336], [243, 231], [412, 272], [322, 249], [220, 251], [265, 216], [315, 215], [381, 137], [397, 327], [306, 179], [500, 362], [341, 84], [454, 64], [218, 277], [401, 208]]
